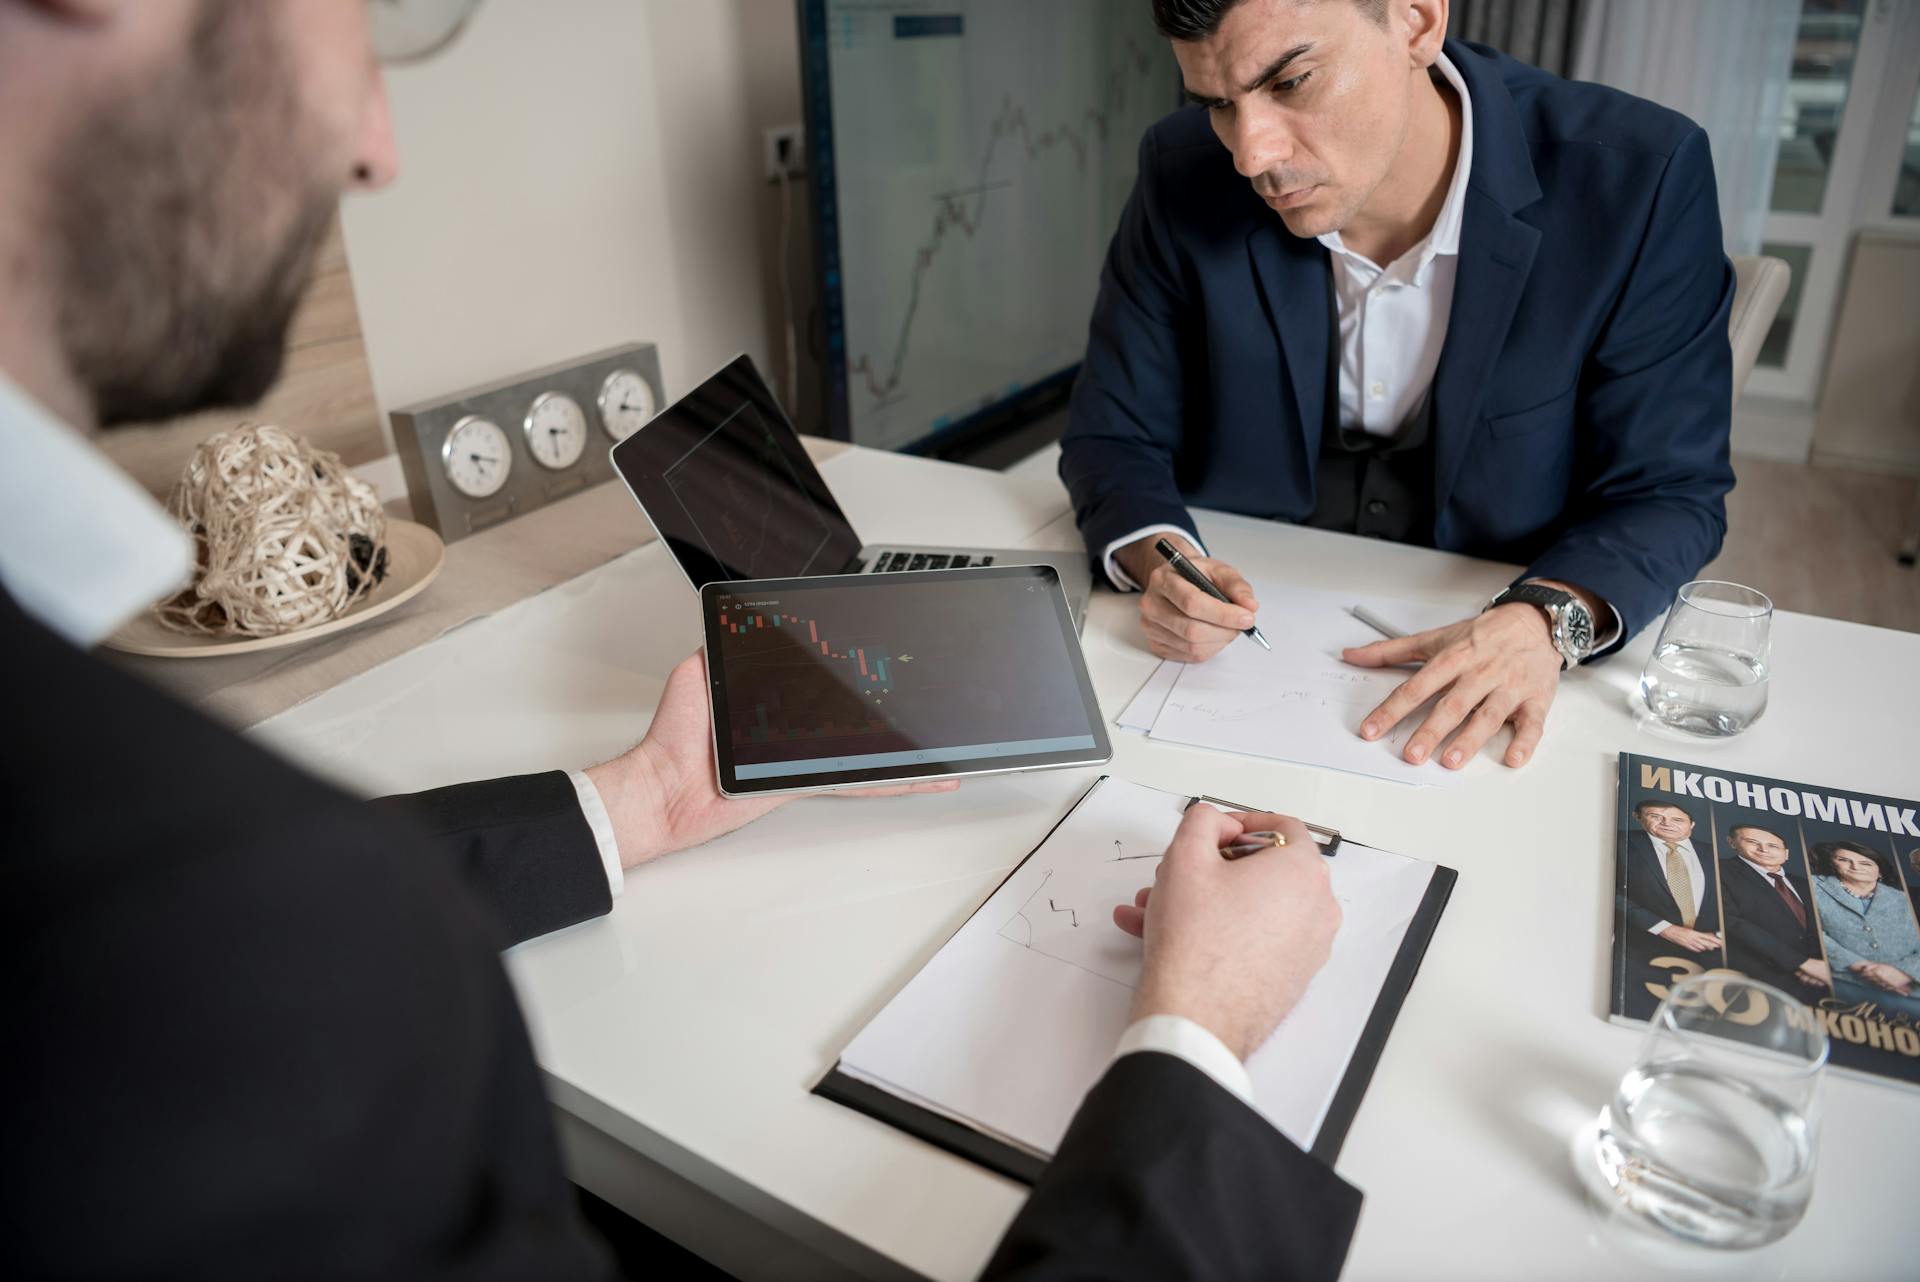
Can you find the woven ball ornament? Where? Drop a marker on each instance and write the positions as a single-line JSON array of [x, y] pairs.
[[286, 536]]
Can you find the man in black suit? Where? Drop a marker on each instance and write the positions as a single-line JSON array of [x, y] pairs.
[[261, 1030], [1668, 905], [1772, 933]]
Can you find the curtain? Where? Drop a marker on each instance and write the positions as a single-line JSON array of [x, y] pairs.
[[1724, 64], [1542, 32]]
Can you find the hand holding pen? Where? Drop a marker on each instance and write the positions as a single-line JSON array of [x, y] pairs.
[[1232, 943], [1191, 606]]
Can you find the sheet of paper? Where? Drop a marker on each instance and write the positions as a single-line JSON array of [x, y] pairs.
[[1301, 702], [1138, 716], [1018, 1014]]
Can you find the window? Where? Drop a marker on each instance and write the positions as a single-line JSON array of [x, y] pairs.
[[1906, 188], [1816, 99]]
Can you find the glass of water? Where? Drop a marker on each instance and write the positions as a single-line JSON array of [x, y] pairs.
[[1708, 673], [1711, 1135]]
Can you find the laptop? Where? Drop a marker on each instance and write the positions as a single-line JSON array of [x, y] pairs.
[[724, 480]]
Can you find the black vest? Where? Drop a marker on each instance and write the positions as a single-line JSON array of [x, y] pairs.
[[1379, 486]]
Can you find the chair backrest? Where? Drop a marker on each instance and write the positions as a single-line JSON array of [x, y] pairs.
[[1760, 284]]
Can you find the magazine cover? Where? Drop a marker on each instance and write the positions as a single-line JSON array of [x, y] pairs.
[[1809, 888]]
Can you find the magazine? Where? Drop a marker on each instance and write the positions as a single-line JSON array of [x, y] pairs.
[[1811, 889]]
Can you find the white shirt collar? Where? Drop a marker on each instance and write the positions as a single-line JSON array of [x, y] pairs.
[[82, 547], [1444, 236], [1770, 873], [1659, 843]]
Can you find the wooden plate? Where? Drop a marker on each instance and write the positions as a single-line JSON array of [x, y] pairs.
[[414, 556]]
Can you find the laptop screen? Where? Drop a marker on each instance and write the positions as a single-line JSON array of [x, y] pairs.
[[724, 479]]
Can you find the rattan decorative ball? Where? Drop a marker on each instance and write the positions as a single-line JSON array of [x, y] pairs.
[[287, 537]]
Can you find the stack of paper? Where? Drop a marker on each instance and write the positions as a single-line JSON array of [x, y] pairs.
[[1300, 702]]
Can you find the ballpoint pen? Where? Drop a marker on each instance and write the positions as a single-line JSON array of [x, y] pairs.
[[1191, 573], [1248, 843]]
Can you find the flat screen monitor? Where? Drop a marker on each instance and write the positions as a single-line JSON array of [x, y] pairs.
[[968, 161]]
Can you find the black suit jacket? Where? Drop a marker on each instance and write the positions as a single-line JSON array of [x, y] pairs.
[[1644, 898], [258, 1029], [1764, 939]]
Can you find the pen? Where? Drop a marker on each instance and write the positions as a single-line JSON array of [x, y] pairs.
[[1375, 622], [1328, 839], [1248, 843], [1191, 573]]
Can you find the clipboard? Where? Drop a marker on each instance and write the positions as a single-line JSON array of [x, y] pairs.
[[1018, 1162]]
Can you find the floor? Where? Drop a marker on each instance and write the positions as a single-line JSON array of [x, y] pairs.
[[1819, 540]]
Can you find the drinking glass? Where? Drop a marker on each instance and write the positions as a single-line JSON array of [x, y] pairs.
[[1708, 673], [1712, 1132]]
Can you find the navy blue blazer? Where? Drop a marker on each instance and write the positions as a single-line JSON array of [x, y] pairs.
[[1583, 398]]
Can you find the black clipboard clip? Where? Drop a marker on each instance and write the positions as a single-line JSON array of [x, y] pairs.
[[1328, 839]]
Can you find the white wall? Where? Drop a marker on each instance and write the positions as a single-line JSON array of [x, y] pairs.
[[573, 174]]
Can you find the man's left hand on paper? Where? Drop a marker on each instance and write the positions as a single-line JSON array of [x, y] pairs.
[[662, 794], [1495, 669]]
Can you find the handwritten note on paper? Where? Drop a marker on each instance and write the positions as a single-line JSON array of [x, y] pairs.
[[1018, 1014], [1302, 702]]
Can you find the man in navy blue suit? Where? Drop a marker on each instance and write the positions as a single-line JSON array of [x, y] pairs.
[[1381, 282]]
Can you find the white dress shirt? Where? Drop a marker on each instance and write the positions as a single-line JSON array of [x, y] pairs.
[[1696, 875], [83, 549]]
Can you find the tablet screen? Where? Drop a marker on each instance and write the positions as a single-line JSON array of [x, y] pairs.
[[864, 678]]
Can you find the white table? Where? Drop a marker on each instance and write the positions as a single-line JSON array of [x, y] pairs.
[[681, 1033]]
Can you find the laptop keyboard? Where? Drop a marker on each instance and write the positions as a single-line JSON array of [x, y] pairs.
[[888, 562]]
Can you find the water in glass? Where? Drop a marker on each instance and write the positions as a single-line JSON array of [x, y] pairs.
[[1711, 1134], [1709, 670], [1709, 1157], [1704, 690]]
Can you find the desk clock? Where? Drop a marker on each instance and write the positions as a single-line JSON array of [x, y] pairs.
[[487, 454]]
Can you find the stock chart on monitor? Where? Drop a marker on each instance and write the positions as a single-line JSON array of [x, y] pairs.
[[970, 163]]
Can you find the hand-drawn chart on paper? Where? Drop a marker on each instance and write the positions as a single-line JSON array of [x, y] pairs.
[[1302, 702], [1097, 859], [1017, 1016]]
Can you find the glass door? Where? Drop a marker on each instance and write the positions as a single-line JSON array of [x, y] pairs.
[[1837, 168]]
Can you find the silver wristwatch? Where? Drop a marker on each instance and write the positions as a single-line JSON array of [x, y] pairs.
[[1567, 618]]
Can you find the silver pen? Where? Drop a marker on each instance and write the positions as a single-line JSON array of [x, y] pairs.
[[1375, 622]]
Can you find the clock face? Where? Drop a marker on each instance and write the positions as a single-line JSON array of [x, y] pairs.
[[626, 403], [477, 456], [556, 430]]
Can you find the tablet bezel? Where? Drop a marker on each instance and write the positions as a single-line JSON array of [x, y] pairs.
[[1099, 754]]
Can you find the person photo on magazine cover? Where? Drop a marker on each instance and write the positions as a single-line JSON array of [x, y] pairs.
[[1771, 931], [1873, 945], [1667, 901]]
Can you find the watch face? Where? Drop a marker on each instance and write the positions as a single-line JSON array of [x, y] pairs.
[[626, 403], [556, 429], [1576, 629], [477, 457]]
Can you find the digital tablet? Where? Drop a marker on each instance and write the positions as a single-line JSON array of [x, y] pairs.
[[853, 680]]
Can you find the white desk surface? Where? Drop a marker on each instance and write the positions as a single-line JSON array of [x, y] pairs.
[[685, 1028]]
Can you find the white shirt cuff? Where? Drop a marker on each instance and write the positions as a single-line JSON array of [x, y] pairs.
[[1658, 926], [1119, 577], [596, 812], [1179, 1036], [1608, 637]]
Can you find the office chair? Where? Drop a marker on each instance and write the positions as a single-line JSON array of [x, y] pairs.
[[1760, 286]]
